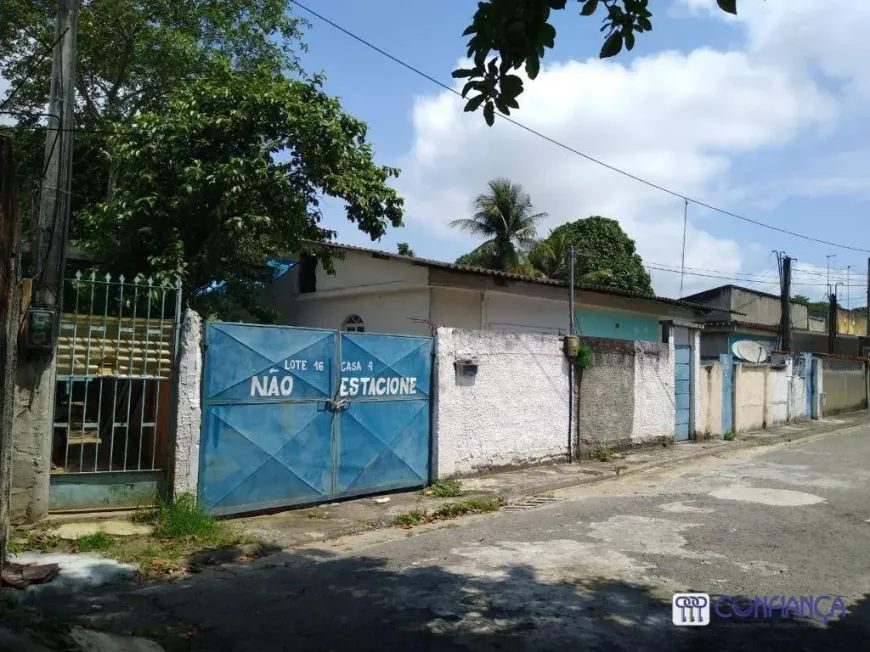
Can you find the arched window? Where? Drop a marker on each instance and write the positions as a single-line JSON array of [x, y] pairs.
[[353, 324]]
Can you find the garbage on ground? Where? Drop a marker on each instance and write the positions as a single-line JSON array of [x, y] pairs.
[[20, 576]]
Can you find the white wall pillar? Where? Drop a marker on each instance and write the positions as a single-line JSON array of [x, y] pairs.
[[188, 409]]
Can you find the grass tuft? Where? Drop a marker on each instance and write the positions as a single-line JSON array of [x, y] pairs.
[[183, 518], [412, 518], [449, 510], [444, 489], [602, 455], [97, 542]]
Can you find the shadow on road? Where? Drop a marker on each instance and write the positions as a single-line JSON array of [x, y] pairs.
[[314, 600]]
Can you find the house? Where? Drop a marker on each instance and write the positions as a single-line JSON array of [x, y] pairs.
[[376, 291], [756, 316]]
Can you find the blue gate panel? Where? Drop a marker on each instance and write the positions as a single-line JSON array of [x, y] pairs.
[[295, 416], [682, 390], [248, 362], [265, 456], [380, 449], [387, 357]]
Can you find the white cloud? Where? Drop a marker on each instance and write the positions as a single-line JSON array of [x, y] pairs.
[[673, 118]]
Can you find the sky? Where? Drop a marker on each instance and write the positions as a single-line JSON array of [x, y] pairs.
[[763, 115]]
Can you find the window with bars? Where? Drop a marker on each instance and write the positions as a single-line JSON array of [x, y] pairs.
[[353, 324]]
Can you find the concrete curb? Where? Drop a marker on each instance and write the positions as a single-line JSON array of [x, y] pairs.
[[518, 493]]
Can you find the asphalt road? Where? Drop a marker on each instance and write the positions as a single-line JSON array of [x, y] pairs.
[[593, 570]]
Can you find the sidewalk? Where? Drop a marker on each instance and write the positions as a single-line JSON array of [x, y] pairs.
[[303, 526]]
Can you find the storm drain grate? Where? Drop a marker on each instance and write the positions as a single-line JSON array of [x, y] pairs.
[[532, 502]]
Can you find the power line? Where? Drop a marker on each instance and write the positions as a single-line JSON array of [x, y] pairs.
[[772, 281], [31, 70], [577, 152]]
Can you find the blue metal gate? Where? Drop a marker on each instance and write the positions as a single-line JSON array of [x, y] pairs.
[[294, 416], [682, 389]]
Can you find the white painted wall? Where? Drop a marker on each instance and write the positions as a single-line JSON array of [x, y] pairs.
[[456, 308], [797, 393], [521, 314], [188, 412], [514, 411], [654, 409], [709, 422], [778, 382], [361, 270], [403, 313]]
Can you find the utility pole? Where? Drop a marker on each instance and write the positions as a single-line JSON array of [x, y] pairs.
[[35, 377], [683, 257], [848, 300], [832, 322], [10, 295], [829, 256], [572, 325], [53, 222], [785, 299], [868, 299]]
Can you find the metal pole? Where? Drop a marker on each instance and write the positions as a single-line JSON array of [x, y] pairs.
[[683, 258], [848, 293], [828, 257], [571, 329], [786, 303]]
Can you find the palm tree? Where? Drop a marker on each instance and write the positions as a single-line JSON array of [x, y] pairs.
[[549, 259], [504, 216]]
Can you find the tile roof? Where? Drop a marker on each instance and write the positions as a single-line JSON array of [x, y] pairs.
[[509, 276]]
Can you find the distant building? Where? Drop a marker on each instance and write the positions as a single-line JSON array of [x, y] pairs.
[[756, 316], [381, 292]]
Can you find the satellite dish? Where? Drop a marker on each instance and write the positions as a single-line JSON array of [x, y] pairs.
[[750, 351]]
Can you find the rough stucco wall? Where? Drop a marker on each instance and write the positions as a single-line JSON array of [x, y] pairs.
[[778, 383], [513, 412], [403, 313], [654, 413], [749, 397], [605, 415], [188, 410], [710, 412], [32, 418]]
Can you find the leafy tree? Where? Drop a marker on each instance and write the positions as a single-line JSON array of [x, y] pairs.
[[548, 258], [800, 298], [818, 308], [229, 173], [602, 249], [132, 55], [504, 215], [509, 34], [405, 249]]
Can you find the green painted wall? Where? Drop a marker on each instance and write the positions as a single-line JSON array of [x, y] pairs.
[[616, 325]]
